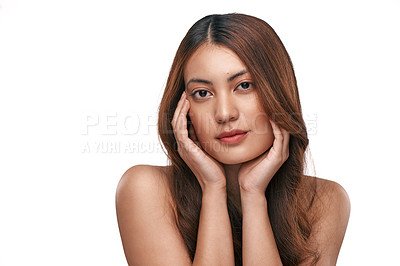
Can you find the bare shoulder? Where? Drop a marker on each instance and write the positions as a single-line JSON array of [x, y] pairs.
[[332, 206], [144, 182], [333, 197], [149, 178], [146, 218]]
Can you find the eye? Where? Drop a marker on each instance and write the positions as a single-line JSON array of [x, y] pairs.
[[245, 85], [199, 94]]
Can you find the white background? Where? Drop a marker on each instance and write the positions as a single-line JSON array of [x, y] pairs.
[[77, 77]]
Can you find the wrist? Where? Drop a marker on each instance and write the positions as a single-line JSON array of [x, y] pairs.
[[214, 189], [252, 197], [213, 196], [251, 193], [214, 186]]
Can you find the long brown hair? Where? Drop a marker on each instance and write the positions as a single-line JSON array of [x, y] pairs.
[[269, 64]]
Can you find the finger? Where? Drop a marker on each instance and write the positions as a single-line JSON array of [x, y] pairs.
[[276, 129], [178, 109], [181, 132], [192, 133], [278, 142], [283, 145], [193, 136], [286, 139]]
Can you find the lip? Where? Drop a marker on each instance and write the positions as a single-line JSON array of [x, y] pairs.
[[232, 137]]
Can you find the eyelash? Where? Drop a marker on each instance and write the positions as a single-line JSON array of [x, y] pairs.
[[240, 85], [250, 85]]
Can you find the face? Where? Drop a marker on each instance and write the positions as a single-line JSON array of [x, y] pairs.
[[225, 110]]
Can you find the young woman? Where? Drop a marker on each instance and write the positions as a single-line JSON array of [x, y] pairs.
[[234, 192]]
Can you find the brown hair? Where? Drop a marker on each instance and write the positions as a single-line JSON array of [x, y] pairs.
[[269, 64]]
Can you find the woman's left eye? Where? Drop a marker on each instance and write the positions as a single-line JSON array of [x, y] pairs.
[[245, 85]]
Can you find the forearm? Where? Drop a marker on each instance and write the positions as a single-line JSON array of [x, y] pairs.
[[259, 247], [214, 239]]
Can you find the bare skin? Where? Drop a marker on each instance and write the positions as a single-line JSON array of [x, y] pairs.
[[146, 218], [219, 98]]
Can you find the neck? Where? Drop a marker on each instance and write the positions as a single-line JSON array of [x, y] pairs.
[[232, 183]]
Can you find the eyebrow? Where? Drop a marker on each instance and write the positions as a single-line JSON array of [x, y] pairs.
[[210, 83]]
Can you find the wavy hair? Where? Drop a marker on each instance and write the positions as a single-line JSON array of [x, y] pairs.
[[261, 50]]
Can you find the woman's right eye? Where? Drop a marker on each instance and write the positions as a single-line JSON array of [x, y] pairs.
[[200, 94]]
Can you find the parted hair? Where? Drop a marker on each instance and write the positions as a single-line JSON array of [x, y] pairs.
[[289, 199]]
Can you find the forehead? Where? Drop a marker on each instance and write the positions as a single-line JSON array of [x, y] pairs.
[[211, 60]]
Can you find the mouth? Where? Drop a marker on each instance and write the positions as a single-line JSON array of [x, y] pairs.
[[233, 136]]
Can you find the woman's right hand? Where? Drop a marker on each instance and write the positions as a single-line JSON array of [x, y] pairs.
[[208, 171]]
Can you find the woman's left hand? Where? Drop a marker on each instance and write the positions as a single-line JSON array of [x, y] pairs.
[[255, 175]]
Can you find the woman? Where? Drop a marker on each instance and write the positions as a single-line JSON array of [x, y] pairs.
[[234, 192]]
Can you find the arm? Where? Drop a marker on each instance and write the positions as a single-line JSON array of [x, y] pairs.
[[332, 208], [259, 247], [214, 241], [147, 223]]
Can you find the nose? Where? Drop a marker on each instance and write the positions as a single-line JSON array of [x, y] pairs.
[[226, 109]]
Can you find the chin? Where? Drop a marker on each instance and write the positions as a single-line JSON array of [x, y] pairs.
[[237, 156], [234, 160]]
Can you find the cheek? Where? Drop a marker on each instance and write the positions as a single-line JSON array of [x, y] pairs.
[[256, 118], [202, 123], [261, 124], [263, 132]]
